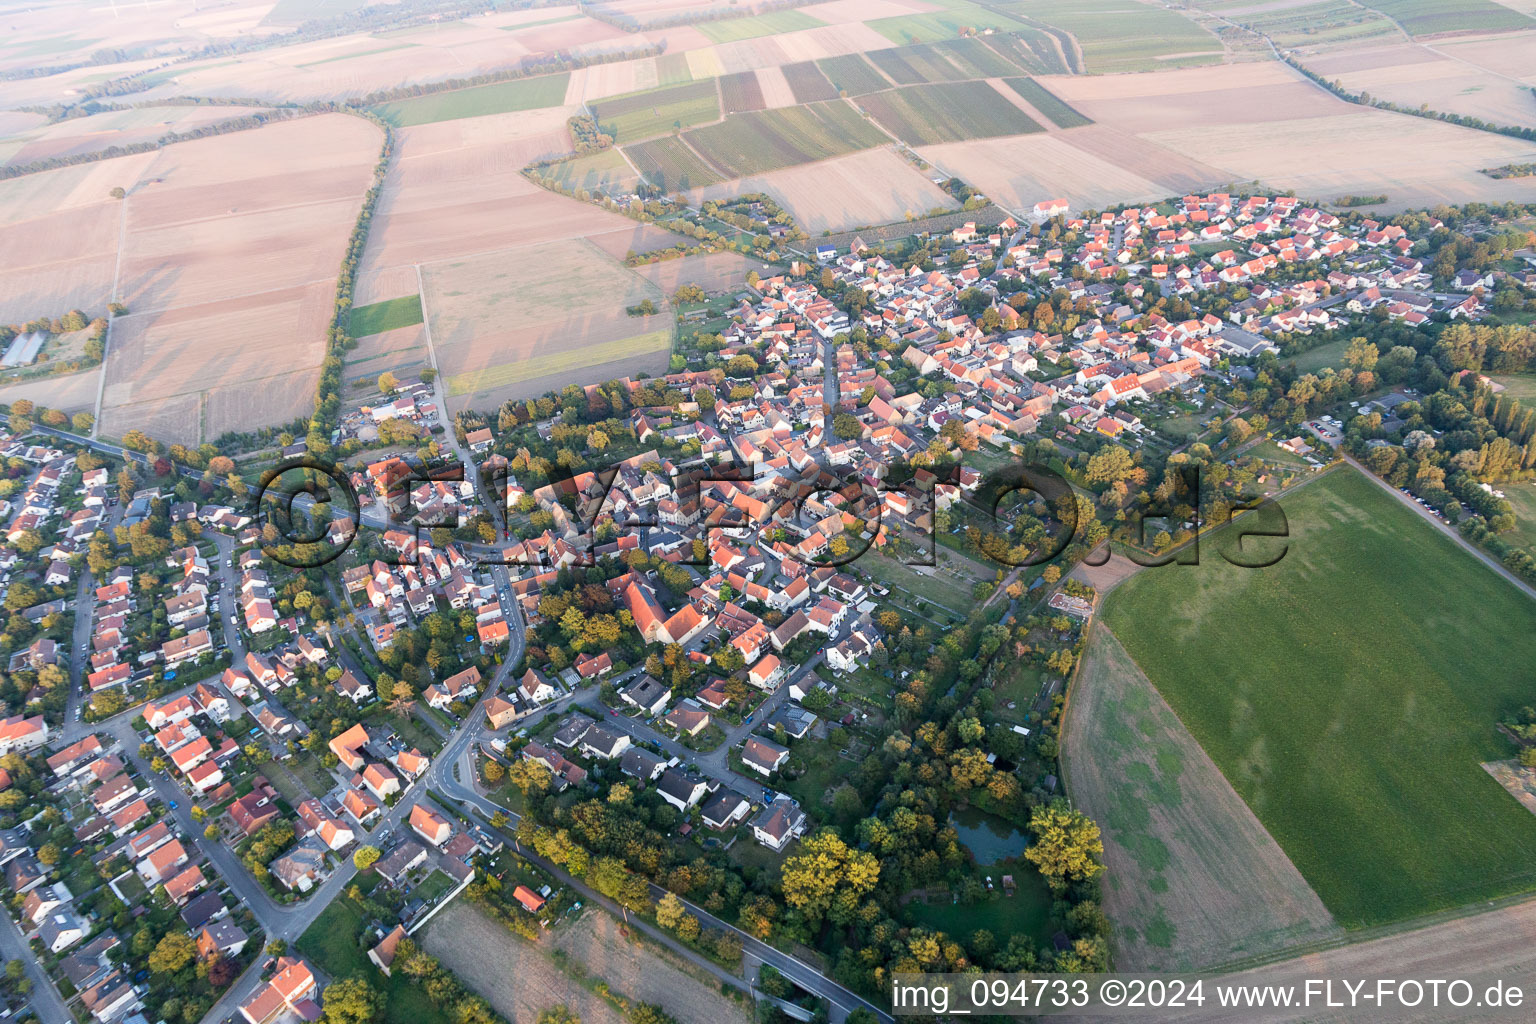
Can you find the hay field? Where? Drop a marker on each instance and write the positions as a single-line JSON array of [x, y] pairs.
[[527, 320], [229, 270], [71, 392], [456, 189], [876, 186], [1193, 878]]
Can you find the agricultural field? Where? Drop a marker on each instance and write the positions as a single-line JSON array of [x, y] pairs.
[[1314, 22], [1310, 714], [894, 64], [875, 186], [1436, 17], [945, 23], [517, 323], [1034, 50], [1047, 102], [716, 272], [1117, 36], [974, 58], [948, 112], [672, 69], [385, 316], [931, 65], [669, 164], [646, 115], [766, 140], [1193, 878], [741, 92], [809, 82], [852, 74], [80, 135], [228, 268], [521, 979], [500, 98], [732, 30], [1461, 79]]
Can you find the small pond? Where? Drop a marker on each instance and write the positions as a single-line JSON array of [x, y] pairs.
[[990, 838]]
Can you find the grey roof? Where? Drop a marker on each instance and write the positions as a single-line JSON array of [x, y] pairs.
[[641, 763], [721, 805]]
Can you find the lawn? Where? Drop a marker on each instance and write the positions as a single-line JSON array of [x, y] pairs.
[[1348, 693], [1313, 360], [1519, 386], [1020, 684], [731, 30], [385, 316], [948, 112], [432, 888], [1026, 912], [644, 115], [333, 943], [919, 582], [1523, 497], [501, 98]]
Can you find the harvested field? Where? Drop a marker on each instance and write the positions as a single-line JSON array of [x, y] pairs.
[[853, 75], [1193, 878], [669, 164], [808, 82], [948, 112], [229, 269], [1411, 75], [766, 140], [59, 261], [614, 79], [741, 92], [1047, 102], [81, 135], [715, 272], [646, 115], [1019, 171], [399, 347], [512, 323], [1176, 173], [521, 980], [1416, 162], [876, 186], [1504, 54], [500, 98], [704, 64], [776, 88], [69, 392], [36, 195], [1196, 98]]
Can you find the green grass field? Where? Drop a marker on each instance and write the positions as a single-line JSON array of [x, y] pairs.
[[385, 316], [501, 98], [669, 164], [672, 69], [852, 74], [948, 112], [1312, 360], [1048, 103], [1523, 497], [733, 29], [1349, 694], [1519, 386], [944, 24], [1429, 17], [1119, 36], [765, 140], [644, 115], [1027, 912]]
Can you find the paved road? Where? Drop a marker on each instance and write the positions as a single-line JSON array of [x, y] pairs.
[[1445, 528], [45, 998]]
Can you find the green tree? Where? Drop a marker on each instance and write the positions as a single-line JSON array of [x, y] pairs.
[[173, 953], [352, 1001]]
